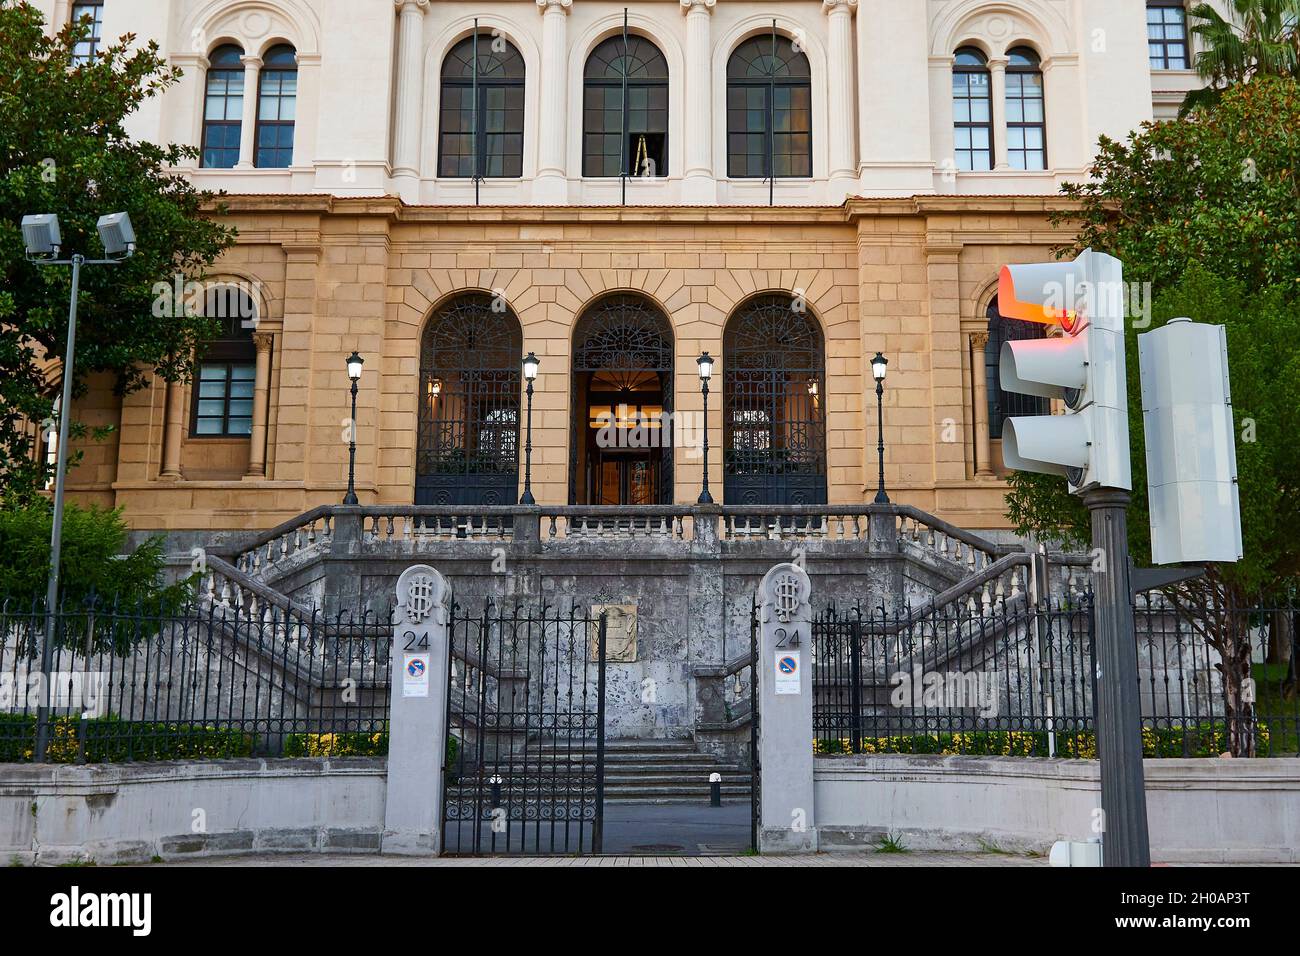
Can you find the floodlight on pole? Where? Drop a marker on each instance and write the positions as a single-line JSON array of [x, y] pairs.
[[43, 245]]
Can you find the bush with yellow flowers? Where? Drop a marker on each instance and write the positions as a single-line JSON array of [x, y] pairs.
[[1198, 740]]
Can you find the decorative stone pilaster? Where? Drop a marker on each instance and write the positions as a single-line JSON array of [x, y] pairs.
[[998, 91], [248, 121], [410, 87], [551, 185], [980, 399], [417, 721], [783, 669], [699, 185], [262, 342], [839, 94], [173, 429]]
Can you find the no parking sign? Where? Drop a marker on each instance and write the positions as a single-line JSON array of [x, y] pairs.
[[787, 672], [415, 676]]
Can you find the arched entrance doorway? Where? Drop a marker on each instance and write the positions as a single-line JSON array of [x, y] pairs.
[[622, 386], [773, 421], [467, 447]]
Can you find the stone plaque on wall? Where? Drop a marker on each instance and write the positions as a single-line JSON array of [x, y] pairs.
[[620, 632]]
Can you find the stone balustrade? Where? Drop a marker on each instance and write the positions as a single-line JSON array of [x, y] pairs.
[[298, 534]]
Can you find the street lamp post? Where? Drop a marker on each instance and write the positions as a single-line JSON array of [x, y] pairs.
[[531, 363], [879, 364], [705, 363], [355, 362], [43, 244]]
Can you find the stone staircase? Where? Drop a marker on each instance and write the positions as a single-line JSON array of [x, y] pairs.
[[661, 771]]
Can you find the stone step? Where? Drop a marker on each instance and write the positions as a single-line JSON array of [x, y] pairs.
[[676, 795], [671, 780], [685, 748]]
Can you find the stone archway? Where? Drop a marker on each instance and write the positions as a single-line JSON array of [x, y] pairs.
[[622, 389]]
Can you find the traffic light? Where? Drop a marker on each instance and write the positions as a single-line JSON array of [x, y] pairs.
[[1195, 503], [1081, 364]]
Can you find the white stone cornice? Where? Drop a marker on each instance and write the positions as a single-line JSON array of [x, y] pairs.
[[830, 6], [562, 5], [705, 5]]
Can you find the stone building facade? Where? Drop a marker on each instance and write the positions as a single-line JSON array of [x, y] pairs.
[[387, 191]]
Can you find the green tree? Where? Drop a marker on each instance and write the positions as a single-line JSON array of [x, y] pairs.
[[1259, 37], [91, 562], [64, 149], [1207, 209]]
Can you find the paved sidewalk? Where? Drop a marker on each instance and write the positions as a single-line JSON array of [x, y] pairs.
[[821, 859]]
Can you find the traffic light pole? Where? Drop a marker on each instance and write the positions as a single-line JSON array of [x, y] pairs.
[[1125, 839]]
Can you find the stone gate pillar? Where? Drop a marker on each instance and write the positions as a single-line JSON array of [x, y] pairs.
[[417, 714], [787, 823]]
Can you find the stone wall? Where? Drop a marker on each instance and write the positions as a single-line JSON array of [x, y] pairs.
[[54, 814], [1199, 810]]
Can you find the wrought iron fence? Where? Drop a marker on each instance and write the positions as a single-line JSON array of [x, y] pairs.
[[205, 680], [1007, 678]]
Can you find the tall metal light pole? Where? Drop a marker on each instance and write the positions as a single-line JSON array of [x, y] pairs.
[[43, 243], [705, 363], [531, 363], [355, 362], [879, 365]]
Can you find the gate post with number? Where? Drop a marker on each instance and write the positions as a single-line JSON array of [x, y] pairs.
[[417, 714], [785, 712]]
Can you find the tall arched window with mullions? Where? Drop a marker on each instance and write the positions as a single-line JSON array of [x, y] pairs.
[[769, 110], [467, 438], [773, 397], [625, 109], [223, 108], [482, 138], [277, 97], [1026, 119], [972, 111]]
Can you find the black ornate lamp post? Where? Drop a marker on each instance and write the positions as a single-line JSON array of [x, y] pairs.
[[530, 375], [705, 362], [878, 366], [355, 362]]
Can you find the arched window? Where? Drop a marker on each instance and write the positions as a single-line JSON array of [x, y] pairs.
[[467, 443], [625, 109], [1004, 405], [769, 110], [223, 108], [223, 384], [773, 395], [1026, 120], [621, 453], [972, 111], [483, 137], [276, 100]]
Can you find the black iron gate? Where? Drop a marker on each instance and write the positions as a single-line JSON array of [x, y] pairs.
[[526, 732]]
